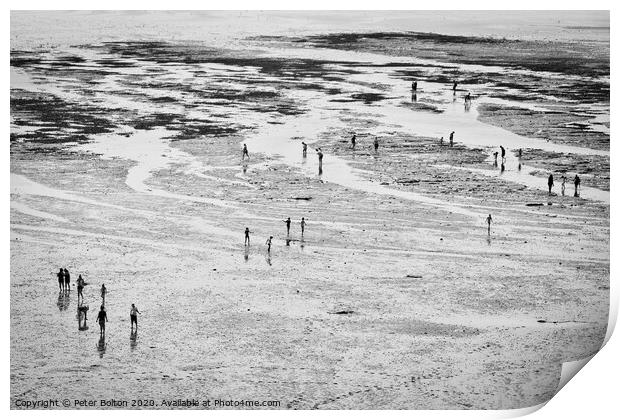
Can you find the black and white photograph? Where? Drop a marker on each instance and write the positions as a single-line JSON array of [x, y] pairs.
[[306, 210]]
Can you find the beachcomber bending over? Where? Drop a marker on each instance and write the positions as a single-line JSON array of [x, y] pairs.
[[247, 236], [550, 182], [102, 318], [451, 139], [489, 220], [268, 243], [133, 314], [288, 226], [303, 226], [577, 184], [245, 152]]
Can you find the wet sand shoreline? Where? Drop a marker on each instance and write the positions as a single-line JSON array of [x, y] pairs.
[[373, 308]]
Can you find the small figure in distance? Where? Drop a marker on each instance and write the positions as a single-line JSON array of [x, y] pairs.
[[247, 236], [268, 243], [495, 157], [454, 87], [67, 280], [80, 287], [577, 184], [103, 292], [376, 143], [61, 279], [451, 139], [133, 314], [245, 152], [563, 184], [353, 141], [102, 318], [550, 182], [304, 149], [503, 153], [320, 155], [303, 226], [489, 220], [288, 226]]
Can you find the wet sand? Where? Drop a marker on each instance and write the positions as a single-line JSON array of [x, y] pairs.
[[126, 167]]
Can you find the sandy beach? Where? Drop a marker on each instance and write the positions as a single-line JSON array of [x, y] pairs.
[[126, 168]]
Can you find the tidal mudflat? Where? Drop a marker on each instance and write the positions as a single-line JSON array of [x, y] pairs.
[[126, 167]]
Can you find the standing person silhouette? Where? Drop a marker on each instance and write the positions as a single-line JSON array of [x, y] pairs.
[[376, 144], [133, 314], [288, 226], [103, 292], [353, 141], [503, 153], [80, 287], [61, 279], [245, 152], [303, 226], [268, 243], [247, 236], [550, 182], [102, 318], [304, 149], [489, 220], [67, 280], [563, 184], [577, 184], [320, 155], [451, 139]]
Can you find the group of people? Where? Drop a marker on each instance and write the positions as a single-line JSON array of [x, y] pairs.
[[64, 283], [269, 241], [576, 182]]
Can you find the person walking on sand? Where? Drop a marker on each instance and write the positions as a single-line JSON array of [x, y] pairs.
[[451, 139], [353, 141], [245, 152], [304, 149], [563, 184], [441, 141], [414, 86], [550, 182], [454, 86], [61, 279], [133, 314], [303, 226], [102, 318], [376, 144], [320, 155], [247, 237], [103, 292], [468, 98], [268, 243], [80, 287], [520, 153], [67, 280], [489, 220], [288, 226], [503, 153], [577, 184]]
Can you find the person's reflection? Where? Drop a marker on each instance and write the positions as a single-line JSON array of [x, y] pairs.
[[489, 240], [245, 168], [502, 169], [288, 242], [133, 337], [61, 301], [101, 345], [268, 258], [414, 97], [246, 253]]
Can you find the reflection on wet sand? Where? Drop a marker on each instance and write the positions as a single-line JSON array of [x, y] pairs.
[[133, 337], [101, 345]]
